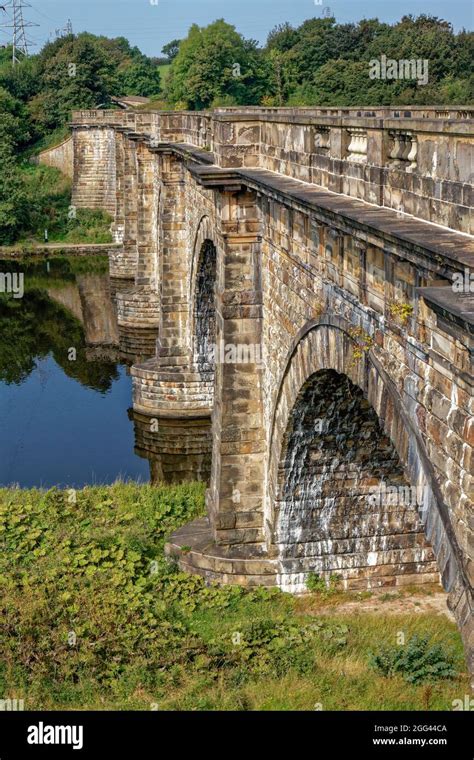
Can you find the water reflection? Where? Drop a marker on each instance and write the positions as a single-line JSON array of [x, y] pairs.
[[136, 343], [178, 450], [65, 386]]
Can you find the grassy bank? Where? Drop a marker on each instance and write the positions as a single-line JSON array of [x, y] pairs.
[[48, 207], [93, 617]]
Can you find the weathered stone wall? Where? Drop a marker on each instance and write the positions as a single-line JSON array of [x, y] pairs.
[[94, 171], [343, 505], [60, 156], [411, 166], [173, 379], [417, 161], [310, 273]]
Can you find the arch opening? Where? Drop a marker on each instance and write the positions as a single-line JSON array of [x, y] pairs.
[[343, 504], [205, 330]]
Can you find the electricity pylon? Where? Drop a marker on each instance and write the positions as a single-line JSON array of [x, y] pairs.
[[66, 31], [13, 10]]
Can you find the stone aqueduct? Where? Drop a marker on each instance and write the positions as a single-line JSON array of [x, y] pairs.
[[323, 245]]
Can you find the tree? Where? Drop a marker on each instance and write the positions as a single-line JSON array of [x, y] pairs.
[[282, 38], [12, 192], [75, 73], [215, 62], [141, 79], [425, 37], [171, 50], [14, 124], [344, 83], [22, 80]]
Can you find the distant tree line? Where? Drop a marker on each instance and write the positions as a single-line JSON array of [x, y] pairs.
[[320, 63]]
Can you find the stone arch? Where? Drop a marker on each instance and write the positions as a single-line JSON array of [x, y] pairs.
[[343, 504], [202, 301], [325, 344], [205, 230]]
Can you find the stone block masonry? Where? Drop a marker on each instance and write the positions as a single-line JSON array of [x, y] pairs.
[[94, 169], [60, 157], [324, 242]]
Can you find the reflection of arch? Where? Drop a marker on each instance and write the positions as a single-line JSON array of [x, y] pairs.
[[324, 343]]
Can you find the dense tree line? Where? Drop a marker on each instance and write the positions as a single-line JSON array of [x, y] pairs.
[[81, 71], [320, 62], [328, 63]]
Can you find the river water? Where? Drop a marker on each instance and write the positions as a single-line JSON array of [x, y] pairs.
[[65, 386]]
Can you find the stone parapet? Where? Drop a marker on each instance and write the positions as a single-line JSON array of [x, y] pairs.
[[417, 161]]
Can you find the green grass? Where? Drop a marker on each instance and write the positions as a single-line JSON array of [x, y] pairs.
[[164, 68], [48, 207], [93, 617]]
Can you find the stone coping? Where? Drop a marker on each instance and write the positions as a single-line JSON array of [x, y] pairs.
[[435, 113], [417, 124], [459, 307], [185, 150], [455, 247]]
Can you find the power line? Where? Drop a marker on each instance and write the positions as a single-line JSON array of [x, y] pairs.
[[13, 10]]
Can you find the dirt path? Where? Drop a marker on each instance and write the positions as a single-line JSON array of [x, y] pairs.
[[386, 602], [78, 249]]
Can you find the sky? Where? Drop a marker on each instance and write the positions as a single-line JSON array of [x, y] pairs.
[[150, 24]]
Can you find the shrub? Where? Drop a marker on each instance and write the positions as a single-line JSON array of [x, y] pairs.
[[317, 584], [272, 647], [419, 660]]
